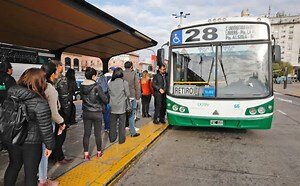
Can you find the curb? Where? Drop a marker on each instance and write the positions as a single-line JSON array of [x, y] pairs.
[[115, 161], [287, 94]]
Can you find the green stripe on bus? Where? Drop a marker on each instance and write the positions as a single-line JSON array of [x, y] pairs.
[[198, 121]]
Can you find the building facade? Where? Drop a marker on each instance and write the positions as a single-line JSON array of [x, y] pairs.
[[118, 61], [286, 31], [80, 62]]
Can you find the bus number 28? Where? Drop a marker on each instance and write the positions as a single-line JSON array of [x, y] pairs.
[[209, 33]]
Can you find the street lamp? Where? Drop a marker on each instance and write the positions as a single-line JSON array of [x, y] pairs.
[[180, 16]]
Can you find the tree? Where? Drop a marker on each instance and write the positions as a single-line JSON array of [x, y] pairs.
[[279, 68]]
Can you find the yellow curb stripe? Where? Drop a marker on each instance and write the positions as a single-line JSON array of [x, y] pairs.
[[115, 159]]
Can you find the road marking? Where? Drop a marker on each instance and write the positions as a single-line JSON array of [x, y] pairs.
[[282, 112], [285, 100], [277, 93]]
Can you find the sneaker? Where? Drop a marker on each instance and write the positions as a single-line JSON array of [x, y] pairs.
[[156, 122], [87, 158], [4, 151], [137, 119], [48, 183], [149, 116], [137, 129], [65, 161], [99, 154], [162, 121], [135, 135], [106, 130], [126, 128]]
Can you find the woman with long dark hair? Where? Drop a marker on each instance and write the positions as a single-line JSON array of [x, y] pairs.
[[30, 89], [119, 92], [72, 86]]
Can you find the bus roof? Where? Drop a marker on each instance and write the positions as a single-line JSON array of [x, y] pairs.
[[73, 26], [227, 20]]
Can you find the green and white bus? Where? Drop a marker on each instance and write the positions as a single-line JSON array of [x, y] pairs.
[[220, 74]]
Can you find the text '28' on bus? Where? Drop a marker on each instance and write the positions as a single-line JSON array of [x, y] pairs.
[[220, 74]]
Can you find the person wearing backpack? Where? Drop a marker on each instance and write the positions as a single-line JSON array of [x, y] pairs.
[[30, 91], [93, 101], [103, 81], [6, 81]]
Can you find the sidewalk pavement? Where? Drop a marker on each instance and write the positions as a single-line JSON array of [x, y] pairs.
[[291, 90], [98, 171]]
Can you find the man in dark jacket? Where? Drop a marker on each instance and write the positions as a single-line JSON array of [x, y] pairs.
[[6, 81], [61, 86], [159, 84]]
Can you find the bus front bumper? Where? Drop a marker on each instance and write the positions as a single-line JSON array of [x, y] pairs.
[[263, 122]]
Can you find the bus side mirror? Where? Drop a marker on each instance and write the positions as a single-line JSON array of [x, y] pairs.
[[160, 56], [277, 53]]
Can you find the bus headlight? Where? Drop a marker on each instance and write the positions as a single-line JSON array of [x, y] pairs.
[[270, 107], [175, 107], [261, 110], [252, 111], [181, 109]]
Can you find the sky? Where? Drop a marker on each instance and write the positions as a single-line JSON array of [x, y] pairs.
[[154, 17]]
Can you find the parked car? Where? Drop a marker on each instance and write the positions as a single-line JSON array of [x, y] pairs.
[[281, 79], [77, 95]]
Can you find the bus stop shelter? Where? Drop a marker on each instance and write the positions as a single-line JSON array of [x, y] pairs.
[[73, 26]]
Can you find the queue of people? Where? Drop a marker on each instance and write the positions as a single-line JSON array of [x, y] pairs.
[[48, 98]]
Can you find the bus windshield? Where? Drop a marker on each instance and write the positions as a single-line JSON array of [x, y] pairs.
[[229, 71]]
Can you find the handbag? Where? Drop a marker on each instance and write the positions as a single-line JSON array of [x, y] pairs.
[[128, 104], [128, 107]]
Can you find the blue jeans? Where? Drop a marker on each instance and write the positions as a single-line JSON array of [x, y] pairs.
[[43, 167], [106, 117], [131, 118]]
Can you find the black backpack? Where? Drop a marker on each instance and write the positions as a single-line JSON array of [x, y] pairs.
[[13, 121]]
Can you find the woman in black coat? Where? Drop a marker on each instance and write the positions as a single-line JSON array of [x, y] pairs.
[[30, 89], [72, 88]]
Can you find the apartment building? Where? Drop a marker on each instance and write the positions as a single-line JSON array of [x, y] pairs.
[[286, 31]]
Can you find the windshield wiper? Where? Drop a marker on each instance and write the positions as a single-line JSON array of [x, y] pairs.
[[212, 64], [221, 63]]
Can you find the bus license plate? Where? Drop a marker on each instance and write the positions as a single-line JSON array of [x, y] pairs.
[[216, 122]]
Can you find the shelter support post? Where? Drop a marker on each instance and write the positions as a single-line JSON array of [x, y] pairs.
[[105, 64]]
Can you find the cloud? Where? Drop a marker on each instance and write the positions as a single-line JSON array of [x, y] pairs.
[[154, 17]]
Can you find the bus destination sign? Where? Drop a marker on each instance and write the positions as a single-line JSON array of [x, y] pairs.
[[220, 33], [187, 90]]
